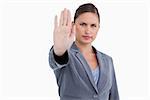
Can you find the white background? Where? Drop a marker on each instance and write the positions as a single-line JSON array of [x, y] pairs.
[[26, 37]]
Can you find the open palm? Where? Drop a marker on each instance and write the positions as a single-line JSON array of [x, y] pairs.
[[64, 33]]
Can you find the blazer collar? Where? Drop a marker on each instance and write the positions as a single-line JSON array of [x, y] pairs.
[[85, 64], [103, 79]]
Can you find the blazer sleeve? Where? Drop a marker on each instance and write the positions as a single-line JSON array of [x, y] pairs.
[[57, 62], [114, 95]]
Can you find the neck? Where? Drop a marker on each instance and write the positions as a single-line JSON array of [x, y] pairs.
[[84, 48]]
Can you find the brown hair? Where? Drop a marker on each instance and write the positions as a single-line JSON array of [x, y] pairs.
[[88, 7]]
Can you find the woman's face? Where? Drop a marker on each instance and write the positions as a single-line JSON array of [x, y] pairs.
[[87, 26]]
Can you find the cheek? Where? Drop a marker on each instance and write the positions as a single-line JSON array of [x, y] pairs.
[[79, 30], [95, 33]]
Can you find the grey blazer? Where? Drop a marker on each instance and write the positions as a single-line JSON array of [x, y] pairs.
[[75, 80]]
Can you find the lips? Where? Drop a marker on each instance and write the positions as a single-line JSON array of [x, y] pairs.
[[86, 37]]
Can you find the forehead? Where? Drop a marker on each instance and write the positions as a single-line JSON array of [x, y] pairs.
[[88, 17]]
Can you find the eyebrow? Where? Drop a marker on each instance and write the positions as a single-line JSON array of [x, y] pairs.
[[83, 23], [86, 23]]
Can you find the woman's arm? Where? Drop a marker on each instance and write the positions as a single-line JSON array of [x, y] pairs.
[[57, 62], [63, 36]]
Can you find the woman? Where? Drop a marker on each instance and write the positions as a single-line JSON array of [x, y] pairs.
[[82, 72]]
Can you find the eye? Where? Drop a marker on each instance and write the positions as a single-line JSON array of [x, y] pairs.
[[83, 24], [93, 25]]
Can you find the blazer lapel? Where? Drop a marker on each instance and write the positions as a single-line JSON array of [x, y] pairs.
[[87, 69], [104, 77]]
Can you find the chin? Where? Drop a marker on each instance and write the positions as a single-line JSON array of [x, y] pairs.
[[86, 41]]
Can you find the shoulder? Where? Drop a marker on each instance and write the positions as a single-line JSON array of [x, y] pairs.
[[105, 57], [107, 61], [104, 54], [101, 54]]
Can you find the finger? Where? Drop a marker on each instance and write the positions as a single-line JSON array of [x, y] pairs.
[[61, 19], [73, 31], [69, 18], [65, 15], [55, 22]]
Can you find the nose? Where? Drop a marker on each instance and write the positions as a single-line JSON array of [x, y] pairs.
[[88, 30]]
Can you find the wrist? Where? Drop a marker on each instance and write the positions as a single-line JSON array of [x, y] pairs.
[[58, 51]]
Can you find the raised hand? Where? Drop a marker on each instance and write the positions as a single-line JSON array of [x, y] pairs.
[[64, 33]]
